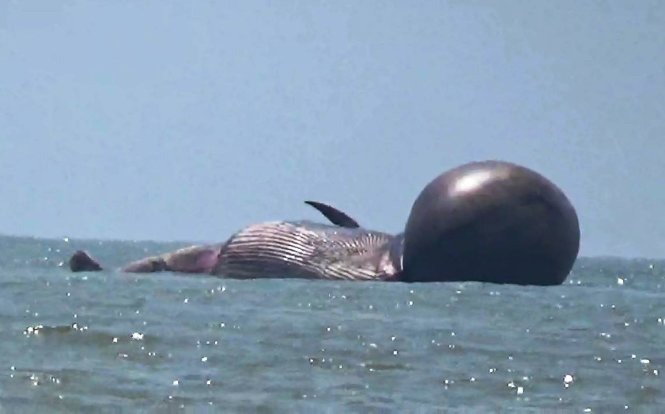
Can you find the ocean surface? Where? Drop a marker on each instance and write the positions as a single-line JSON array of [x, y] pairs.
[[114, 342]]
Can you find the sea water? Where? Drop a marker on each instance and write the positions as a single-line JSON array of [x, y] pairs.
[[114, 342]]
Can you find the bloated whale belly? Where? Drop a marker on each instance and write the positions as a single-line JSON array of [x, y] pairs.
[[307, 250]]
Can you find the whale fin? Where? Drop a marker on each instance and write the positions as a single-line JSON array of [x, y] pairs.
[[334, 215], [81, 261]]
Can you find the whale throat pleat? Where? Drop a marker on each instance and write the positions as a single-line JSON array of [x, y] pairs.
[[304, 250]]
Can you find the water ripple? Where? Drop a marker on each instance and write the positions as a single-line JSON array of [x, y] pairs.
[[109, 341]]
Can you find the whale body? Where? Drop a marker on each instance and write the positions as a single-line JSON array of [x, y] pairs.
[[489, 221]]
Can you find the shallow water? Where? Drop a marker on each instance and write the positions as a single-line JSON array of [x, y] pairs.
[[109, 342]]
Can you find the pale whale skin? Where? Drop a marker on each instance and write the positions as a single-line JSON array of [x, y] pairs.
[[308, 250], [193, 259]]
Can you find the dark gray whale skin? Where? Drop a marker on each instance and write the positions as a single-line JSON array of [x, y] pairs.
[[489, 221], [81, 261]]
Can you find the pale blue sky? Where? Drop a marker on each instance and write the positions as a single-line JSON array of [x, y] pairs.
[[187, 120]]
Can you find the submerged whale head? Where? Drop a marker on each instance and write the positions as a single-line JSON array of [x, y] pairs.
[[491, 221]]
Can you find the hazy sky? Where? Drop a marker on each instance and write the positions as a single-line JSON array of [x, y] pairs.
[[187, 120]]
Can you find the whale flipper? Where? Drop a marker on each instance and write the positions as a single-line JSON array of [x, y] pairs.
[[335, 216]]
